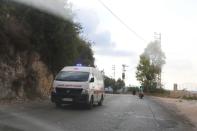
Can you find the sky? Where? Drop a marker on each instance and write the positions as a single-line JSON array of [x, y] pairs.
[[115, 45]]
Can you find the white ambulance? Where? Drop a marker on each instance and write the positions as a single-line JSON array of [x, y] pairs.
[[78, 85]]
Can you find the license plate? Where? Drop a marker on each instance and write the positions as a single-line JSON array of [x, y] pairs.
[[67, 99]]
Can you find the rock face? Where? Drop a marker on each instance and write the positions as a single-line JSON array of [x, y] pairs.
[[23, 75]]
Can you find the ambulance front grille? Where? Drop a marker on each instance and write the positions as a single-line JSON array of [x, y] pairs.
[[68, 91]]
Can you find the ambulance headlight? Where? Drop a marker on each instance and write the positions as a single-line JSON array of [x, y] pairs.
[[84, 91]]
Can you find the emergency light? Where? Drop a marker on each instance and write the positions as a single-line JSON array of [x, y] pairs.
[[78, 64]]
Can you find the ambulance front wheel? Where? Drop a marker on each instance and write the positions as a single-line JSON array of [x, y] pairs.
[[100, 103], [58, 105], [90, 103]]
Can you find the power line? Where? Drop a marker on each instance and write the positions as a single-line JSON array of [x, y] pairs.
[[122, 22]]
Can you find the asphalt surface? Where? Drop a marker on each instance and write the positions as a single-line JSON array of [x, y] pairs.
[[118, 113]]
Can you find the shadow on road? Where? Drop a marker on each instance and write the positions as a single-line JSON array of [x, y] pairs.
[[75, 107], [8, 128]]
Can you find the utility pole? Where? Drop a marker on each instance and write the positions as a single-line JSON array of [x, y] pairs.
[[114, 71], [157, 37], [123, 73]]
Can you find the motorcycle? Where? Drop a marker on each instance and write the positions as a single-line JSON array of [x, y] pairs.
[[141, 95], [133, 92]]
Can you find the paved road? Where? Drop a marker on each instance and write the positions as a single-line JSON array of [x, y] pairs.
[[119, 113]]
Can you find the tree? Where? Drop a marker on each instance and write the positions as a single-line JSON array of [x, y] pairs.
[[56, 39], [145, 73], [119, 85], [85, 53], [115, 85], [109, 82], [155, 54], [150, 66]]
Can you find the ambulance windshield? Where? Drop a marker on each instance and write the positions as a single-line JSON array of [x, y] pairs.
[[72, 76]]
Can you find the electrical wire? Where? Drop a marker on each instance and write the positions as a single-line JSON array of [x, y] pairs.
[[121, 21]]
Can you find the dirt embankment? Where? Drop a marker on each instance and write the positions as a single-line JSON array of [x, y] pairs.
[[187, 108]]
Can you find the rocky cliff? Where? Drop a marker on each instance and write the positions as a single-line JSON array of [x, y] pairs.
[[23, 75]]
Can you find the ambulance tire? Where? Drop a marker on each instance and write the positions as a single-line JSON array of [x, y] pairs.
[[91, 102], [58, 105], [100, 103]]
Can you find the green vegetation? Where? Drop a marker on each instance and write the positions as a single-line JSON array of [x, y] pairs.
[[115, 85], [29, 30], [189, 97], [160, 92], [131, 89], [150, 66]]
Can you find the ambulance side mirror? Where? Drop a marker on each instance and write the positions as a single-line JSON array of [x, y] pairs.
[[92, 80]]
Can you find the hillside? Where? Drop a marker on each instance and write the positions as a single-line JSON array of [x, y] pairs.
[[34, 46]]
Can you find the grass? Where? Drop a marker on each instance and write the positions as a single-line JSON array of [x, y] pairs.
[[159, 93]]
